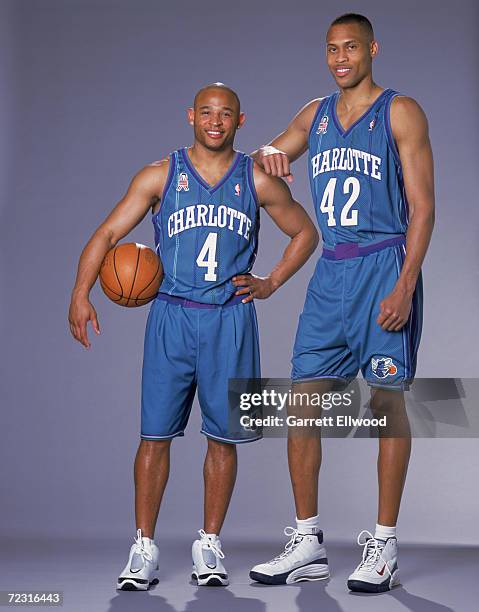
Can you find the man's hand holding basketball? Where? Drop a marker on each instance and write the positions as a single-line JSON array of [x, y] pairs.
[[81, 311], [253, 287]]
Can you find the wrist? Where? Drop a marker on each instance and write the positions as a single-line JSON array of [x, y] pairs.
[[406, 285], [80, 293], [274, 283]]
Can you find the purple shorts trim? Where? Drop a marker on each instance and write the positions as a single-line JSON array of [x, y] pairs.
[[348, 250], [173, 299]]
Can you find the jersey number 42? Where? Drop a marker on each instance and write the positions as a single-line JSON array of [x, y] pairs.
[[351, 187]]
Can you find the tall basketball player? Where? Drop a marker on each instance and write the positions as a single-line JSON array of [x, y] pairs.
[[371, 174], [202, 328]]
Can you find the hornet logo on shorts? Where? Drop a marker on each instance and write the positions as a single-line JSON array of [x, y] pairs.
[[182, 182], [323, 125], [383, 367]]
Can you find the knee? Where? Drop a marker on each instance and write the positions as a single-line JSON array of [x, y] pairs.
[[154, 448], [221, 450]]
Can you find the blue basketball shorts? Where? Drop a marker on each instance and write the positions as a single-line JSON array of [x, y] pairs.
[[191, 346], [338, 334]]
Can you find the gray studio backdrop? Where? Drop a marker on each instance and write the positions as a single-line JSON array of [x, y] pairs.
[[91, 92]]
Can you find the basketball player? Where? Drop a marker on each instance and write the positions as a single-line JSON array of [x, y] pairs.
[[202, 328], [371, 174]]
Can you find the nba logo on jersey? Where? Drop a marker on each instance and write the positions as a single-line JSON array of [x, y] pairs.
[[182, 182], [237, 189], [323, 125], [372, 124], [383, 367]]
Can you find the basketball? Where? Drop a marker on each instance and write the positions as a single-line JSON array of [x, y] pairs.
[[130, 274]]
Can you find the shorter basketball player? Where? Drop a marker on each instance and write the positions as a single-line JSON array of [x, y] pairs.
[[202, 328]]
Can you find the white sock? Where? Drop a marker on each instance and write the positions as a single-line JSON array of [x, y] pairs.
[[383, 532], [309, 525]]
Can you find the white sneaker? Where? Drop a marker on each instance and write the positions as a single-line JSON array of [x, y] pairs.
[[378, 571], [208, 570], [304, 558], [142, 565]]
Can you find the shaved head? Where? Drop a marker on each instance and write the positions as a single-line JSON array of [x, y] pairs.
[[222, 87]]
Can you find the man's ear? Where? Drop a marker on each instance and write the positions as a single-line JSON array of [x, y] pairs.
[[191, 116], [241, 120]]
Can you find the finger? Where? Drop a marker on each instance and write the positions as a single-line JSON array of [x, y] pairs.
[[399, 325], [285, 164], [248, 299], [275, 164], [267, 164], [95, 324], [240, 280], [84, 335], [78, 335], [390, 322], [75, 332], [381, 317], [243, 291], [289, 178]]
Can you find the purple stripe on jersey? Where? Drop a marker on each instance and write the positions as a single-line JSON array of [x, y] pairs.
[[389, 132], [348, 250], [169, 179], [173, 299], [250, 179], [320, 109]]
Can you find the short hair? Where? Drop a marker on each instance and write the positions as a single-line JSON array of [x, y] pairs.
[[218, 86], [355, 18]]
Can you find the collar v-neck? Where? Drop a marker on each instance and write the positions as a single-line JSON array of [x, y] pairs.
[[337, 123], [201, 180]]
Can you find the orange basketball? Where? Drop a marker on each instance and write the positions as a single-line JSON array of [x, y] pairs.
[[130, 274]]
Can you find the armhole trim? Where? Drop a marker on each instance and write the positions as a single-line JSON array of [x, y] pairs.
[[169, 178], [321, 106], [389, 133], [250, 180]]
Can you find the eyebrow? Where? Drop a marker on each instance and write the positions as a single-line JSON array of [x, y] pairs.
[[346, 42], [209, 106]]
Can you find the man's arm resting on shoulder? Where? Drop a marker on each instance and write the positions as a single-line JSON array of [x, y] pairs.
[[410, 131], [276, 157], [275, 197], [144, 190]]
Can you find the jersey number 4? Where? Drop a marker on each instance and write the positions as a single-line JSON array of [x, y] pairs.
[[351, 187], [207, 257]]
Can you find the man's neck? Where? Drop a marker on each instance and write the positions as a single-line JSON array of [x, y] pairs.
[[203, 156], [364, 93]]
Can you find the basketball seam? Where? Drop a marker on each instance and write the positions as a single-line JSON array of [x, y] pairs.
[[134, 276], [145, 288], [116, 273], [103, 284]]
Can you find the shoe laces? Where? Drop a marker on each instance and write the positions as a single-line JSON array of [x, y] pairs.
[[295, 539], [140, 547], [208, 542], [372, 551]]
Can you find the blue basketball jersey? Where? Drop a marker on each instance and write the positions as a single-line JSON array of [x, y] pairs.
[[355, 175], [206, 234]]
